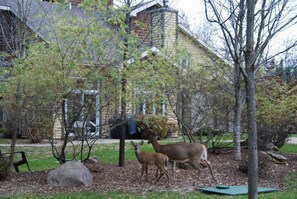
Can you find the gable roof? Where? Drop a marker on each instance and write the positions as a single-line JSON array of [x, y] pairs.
[[185, 30], [38, 15], [145, 5], [28, 11], [41, 18], [202, 44]]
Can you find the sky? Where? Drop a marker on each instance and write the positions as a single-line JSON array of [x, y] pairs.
[[194, 9]]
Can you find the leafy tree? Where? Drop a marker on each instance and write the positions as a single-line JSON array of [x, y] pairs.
[[248, 27], [16, 37], [276, 110], [75, 51], [199, 92], [87, 50]]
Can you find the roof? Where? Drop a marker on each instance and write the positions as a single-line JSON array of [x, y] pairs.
[[181, 27], [200, 42], [30, 9], [145, 5], [41, 16], [38, 14]]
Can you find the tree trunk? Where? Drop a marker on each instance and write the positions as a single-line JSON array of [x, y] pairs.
[[123, 129], [252, 137], [186, 112], [16, 128], [237, 114], [123, 89], [62, 156], [249, 77]]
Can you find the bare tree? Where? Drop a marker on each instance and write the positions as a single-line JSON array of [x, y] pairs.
[[248, 27]]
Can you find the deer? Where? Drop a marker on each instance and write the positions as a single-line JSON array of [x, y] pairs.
[[183, 152], [151, 158]]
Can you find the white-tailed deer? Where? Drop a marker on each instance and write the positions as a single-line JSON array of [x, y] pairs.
[[146, 158], [183, 152]]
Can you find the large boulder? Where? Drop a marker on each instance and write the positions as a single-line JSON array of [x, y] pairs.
[[70, 174]]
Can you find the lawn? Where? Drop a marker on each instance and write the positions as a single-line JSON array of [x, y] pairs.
[[41, 159], [289, 148], [152, 195]]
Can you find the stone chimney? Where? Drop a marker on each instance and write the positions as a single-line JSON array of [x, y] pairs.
[[164, 27]]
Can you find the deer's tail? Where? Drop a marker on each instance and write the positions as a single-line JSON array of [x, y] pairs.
[[204, 153], [166, 160]]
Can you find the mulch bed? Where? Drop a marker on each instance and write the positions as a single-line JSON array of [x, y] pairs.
[[111, 177]]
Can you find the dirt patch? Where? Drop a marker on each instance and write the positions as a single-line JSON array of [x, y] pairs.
[[111, 177]]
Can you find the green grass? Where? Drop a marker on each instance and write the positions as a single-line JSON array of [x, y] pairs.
[[109, 153], [8, 141], [151, 195], [41, 158], [290, 181], [289, 148]]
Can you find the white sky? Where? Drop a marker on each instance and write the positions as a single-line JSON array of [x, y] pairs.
[[194, 9]]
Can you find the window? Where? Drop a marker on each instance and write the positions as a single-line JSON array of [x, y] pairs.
[[145, 103], [82, 107]]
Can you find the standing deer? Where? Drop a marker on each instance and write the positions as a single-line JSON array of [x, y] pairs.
[[146, 158], [183, 152]]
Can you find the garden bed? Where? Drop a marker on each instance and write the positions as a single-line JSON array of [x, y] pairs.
[[111, 177]]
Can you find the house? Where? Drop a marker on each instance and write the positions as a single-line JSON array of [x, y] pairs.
[[160, 28], [31, 21], [155, 24]]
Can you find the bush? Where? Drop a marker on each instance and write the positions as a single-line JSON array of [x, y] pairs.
[[6, 133], [152, 125], [209, 132], [4, 167], [276, 111]]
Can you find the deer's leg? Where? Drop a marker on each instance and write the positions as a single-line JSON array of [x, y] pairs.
[[196, 164], [210, 168], [146, 172], [166, 173], [142, 170], [157, 171], [161, 174], [174, 164]]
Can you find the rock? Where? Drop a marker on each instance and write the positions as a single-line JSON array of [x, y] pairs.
[[92, 160], [70, 174], [278, 157]]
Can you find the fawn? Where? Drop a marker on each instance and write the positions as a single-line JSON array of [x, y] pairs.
[[146, 158]]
